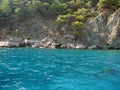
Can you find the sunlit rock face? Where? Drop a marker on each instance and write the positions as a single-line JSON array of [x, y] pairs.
[[114, 28], [104, 30]]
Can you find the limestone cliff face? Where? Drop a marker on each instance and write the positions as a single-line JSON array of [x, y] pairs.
[[104, 30], [114, 30]]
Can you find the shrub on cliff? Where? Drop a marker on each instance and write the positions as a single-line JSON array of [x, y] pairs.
[[5, 9], [108, 3]]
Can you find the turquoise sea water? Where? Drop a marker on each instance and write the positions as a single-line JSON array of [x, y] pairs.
[[53, 69]]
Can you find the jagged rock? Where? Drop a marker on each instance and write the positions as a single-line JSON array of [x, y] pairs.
[[92, 47], [10, 44], [104, 31], [22, 44], [44, 40], [38, 45], [13, 44], [15, 39], [71, 45], [28, 41], [4, 43], [97, 30], [48, 43], [114, 26], [56, 45], [63, 46], [70, 36], [80, 46]]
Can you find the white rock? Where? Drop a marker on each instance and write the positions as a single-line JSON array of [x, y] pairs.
[[4, 43], [80, 46], [92, 47]]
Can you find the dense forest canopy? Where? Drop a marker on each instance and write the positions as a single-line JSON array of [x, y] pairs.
[[76, 12], [23, 8]]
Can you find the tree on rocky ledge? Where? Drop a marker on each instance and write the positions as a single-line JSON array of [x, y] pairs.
[[5, 9], [108, 3]]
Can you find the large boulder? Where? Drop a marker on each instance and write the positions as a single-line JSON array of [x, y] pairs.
[[38, 45], [80, 46], [4, 43], [11, 44], [56, 45]]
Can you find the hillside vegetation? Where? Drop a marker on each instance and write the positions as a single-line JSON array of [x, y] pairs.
[[72, 12], [19, 9], [69, 22]]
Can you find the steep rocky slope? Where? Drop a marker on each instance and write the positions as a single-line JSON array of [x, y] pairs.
[[102, 32]]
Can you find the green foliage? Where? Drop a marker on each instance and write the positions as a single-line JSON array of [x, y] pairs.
[[53, 9], [47, 8], [62, 19], [5, 9], [76, 20], [89, 4], [58, 8], [74, 6], [72, 13], [80, 18], [17, 8], [77, 25], [108, 3], [82, 11]]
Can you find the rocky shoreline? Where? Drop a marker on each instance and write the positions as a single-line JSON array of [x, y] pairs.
[[101, 32], [44, 43], [48, 43]]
